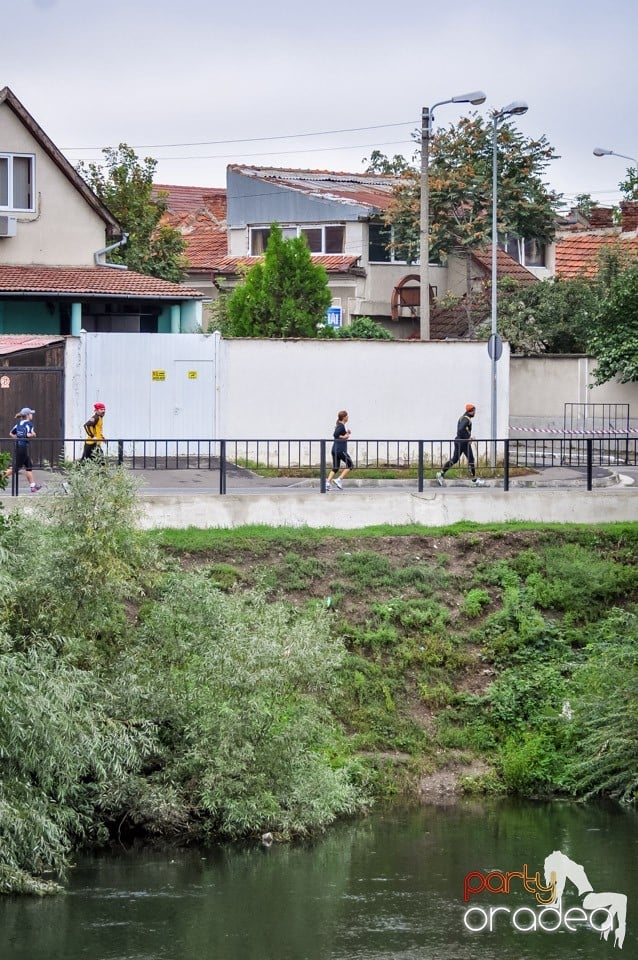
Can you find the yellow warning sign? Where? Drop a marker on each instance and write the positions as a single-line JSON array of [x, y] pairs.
[[158, 375]]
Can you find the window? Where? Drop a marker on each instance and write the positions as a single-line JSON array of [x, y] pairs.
[[529, 253], [380, 250], [16, 181], [320, 238]]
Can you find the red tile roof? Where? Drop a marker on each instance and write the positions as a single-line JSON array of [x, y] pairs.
[[331, 262], [451, 322], [506, 266], [182, 199], [371, 190], [89, 281], [577, 254], [199, 213], [12, 343]]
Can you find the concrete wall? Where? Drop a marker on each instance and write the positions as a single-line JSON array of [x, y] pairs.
[[291, 389], [540, 386], [392, 389], [354, 510]]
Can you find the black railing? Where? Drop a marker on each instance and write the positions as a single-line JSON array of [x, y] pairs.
[[415, 460]]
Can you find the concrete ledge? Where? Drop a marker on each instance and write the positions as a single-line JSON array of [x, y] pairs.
[[353, 510], [356, 508]]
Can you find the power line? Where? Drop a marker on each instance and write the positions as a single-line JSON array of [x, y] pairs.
[[272, 153], [288, 136]]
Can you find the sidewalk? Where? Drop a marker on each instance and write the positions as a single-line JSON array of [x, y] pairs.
[[241, 482]]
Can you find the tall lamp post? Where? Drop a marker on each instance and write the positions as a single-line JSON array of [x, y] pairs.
[[515, 108], [427, 118], [601, 152]]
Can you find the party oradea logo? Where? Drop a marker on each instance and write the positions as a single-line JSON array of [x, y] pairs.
[[602, 913]]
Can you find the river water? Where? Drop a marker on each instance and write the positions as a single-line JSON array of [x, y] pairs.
[[386, 887]]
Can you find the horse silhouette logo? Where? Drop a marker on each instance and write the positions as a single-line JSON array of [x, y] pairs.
[[559, 869]]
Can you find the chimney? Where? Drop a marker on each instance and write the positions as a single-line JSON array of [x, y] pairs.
[[601, 217], [629, 215]]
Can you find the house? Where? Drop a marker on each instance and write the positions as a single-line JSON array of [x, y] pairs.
[[55, 235], [581, 241], [199, 213], [55, 281]]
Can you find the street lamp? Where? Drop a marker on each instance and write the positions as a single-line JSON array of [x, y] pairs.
[[427, 118], [601, 152], [515, 108]]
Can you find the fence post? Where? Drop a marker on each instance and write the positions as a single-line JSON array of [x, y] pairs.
[[222, 467], [15, 483], [590, 461], [120, 452], [420, 466], [506, 465], [322, 466]]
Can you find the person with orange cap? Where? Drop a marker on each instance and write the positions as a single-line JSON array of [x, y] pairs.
[[462, 447], [94, 436]]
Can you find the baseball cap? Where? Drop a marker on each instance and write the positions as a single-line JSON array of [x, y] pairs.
[[25, 411], [469, 406], [99, 406]]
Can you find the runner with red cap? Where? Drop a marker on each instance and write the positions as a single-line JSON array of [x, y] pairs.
[[94, 436]]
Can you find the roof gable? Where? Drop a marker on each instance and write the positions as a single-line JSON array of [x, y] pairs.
[[506, 266], [9, 98]]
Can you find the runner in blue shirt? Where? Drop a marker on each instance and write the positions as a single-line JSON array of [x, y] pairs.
[[22, 432]]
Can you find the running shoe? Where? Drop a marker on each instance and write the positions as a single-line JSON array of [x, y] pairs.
[[339, 484], [36, 487], [440, 479], [478, 482]]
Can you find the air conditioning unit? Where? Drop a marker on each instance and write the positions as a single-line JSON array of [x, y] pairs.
[[8, 226]]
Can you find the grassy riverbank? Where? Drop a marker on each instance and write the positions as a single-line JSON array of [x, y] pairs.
[[196, 685]]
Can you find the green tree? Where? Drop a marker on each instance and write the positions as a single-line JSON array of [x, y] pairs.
[[379, 163], [629, 186], [124, 184], [615, 330], [285, 295], [364, 328], [553, 316], [460, 189]]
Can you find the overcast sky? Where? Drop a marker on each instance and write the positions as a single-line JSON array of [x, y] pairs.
[[199, 84]]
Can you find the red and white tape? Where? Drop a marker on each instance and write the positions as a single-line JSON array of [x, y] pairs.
[[609, 432]]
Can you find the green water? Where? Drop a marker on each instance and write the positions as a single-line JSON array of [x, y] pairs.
[[389, 886]]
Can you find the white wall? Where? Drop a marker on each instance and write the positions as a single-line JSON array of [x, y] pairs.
[[254, 389], [120, 370], [540, 386], [392, 389]]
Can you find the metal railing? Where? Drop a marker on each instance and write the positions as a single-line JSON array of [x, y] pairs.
[[416, 460]]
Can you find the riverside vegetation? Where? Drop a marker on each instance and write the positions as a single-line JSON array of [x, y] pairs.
[[197, 686]]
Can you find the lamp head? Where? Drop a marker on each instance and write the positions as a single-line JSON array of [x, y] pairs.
[[475, 97], [515, 108], [601, 152]]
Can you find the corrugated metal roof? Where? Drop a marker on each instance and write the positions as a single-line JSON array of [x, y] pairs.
[[370, 190], [89, 281]]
